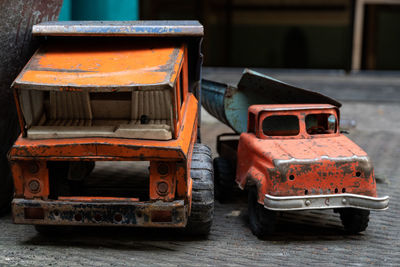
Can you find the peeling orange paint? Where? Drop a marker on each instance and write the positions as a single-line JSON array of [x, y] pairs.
[[126, 63]]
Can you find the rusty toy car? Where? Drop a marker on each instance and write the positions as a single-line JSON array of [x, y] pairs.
[[289, 156], [112, 91]]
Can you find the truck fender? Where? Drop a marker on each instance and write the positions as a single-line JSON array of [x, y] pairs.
[[254, 177]]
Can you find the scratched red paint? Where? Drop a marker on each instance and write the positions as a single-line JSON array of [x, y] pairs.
[[318, 164]]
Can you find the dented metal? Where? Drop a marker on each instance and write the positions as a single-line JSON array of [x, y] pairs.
[[85, 98], [288, 203], [93, 66], [95, 212], [302, 163]]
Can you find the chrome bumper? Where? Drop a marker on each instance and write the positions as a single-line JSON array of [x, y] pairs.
[[287, 203]]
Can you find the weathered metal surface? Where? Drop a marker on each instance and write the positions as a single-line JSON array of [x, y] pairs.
[[96, 63], [287, 203], [279, 92], [102, 66], [304, 164], [16, 20], [229, 104], [120, 28], [213, 99], [92, 212], [111, 148]]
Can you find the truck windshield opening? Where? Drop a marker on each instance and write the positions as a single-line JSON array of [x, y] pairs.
[[323, 123], [281, 125]]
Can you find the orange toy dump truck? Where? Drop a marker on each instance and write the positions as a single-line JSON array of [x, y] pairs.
[[112, 91], [289, 156]]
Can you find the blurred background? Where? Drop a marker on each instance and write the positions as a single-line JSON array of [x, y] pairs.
[[313, 34]]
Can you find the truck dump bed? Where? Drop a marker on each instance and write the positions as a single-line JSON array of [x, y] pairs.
[[229, 104]]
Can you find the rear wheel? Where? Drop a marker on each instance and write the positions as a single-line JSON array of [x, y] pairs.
[[6, 191], [202, 210], [262, 221], [224, 179], [9, 130], [354, 220]]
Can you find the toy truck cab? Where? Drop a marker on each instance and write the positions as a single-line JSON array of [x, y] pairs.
[[293, 157], [112, 91]]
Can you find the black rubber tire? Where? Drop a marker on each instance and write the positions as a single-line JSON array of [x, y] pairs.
[[224, 179], [46, 230], [6, 193], [354, 220], [261, 220], [9, 130], [202, 210], [54, 231]]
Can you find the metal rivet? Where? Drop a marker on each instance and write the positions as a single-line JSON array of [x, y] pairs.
[[78, 217], [163, 168], [33, 168], [308, 202], [118, 217], [34, 186], [162, 188], [98, 217], [344, 201]]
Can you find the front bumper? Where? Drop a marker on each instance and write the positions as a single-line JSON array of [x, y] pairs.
[[97, 212], [287, 203]]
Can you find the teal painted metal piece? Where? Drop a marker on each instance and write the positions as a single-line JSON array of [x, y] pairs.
[[230, 104], [99, 10], [66, 10]]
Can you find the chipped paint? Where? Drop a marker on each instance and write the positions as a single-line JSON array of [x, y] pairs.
[[99, 66], [302, 165], [102, 64]]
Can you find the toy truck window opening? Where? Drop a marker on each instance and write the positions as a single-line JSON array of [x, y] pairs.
[[298, 124], [281, 125], [323, 123]]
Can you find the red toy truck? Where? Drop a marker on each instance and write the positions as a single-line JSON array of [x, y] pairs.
[[294, 157]]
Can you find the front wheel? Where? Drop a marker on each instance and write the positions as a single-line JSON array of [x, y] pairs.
[[354, 220], [262, 221], [202, 210]]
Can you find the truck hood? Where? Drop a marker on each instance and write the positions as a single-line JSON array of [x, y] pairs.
[[313, 148]]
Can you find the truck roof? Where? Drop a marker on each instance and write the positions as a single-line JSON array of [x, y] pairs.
[[291, 107], [173, 28], [102, 65]]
